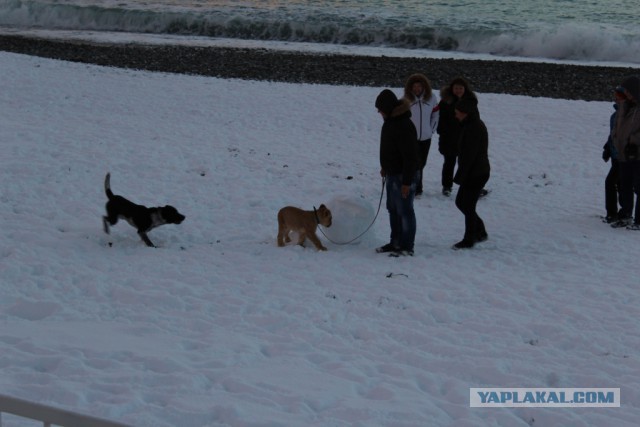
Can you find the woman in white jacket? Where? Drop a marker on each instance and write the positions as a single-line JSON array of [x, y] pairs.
[[424, 115]]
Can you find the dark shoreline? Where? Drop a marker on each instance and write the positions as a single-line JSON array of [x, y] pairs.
[[589, 83]]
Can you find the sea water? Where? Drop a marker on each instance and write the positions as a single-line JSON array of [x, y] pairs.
[[588, 31]]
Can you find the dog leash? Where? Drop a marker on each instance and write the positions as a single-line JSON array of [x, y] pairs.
[[361, 234]]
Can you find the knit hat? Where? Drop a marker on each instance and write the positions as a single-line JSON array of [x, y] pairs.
[[467, 105], [386, 101]]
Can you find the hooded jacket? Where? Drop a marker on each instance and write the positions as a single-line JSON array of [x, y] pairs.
[[398, 142], [609, 149], [448, 126], [424, 109], [473, 159], [627, 129]]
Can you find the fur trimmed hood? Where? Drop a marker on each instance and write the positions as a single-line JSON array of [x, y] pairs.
[[446, 95], [417, 78], [464, 83], [403, 107]]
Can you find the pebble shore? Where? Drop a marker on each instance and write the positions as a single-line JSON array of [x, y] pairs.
[[576, 82]]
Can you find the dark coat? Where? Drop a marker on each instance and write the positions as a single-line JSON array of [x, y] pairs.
[[627, 129], [473, 158], [609, 150], [449, 127], [399, 144]]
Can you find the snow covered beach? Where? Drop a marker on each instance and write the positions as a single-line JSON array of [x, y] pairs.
[[218, 326]]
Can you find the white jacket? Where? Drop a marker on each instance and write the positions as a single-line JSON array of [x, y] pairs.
[[425, 116]]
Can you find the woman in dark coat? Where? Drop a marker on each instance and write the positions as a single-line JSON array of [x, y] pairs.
[[473, 170], [449, 127]]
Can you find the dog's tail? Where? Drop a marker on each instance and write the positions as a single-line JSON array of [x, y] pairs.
[[107, 186]]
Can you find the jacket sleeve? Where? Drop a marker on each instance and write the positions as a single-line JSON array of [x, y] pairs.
[[634, 138], [606, 149], [439, 125], [474, 137], [409, 152], [464, 159], [435, 119], [634, 135]]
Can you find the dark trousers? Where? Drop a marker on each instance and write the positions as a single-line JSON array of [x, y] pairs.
[[448, 168], [630, 184], [423, 154], [612, 189], [466, 201]]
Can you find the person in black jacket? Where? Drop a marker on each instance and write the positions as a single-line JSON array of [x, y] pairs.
[[399, 166], [626, 141], [448, 131], [612, 181], [473, 170], [449, 128]]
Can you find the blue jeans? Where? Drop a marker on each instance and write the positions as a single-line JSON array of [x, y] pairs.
[[402, 217]]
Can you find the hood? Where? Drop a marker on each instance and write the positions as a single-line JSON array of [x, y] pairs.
[[417, 78], [632, 85], [464, 83], [467, 105], [446, 95], [386, 101], [403, 107]]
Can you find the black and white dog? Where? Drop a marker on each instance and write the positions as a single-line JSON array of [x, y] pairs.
[[141, 217]]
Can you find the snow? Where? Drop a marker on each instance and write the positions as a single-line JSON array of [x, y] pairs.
[[220, 327]]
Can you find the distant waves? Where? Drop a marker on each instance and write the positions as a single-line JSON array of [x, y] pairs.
[[589, 42]]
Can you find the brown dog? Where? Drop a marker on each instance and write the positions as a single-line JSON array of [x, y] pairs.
[[304, 223]]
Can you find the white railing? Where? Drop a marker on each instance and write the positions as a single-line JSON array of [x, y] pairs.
[[50, 416]]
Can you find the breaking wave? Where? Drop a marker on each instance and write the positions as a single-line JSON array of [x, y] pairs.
[[586, 42]]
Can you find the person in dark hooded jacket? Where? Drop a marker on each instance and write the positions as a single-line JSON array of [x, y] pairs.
[[626, 141], [399, 165], [473, 171], [449, 128], [448, 131], [612, 182]]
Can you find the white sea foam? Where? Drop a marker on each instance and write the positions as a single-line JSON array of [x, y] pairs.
[[590, 32]]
